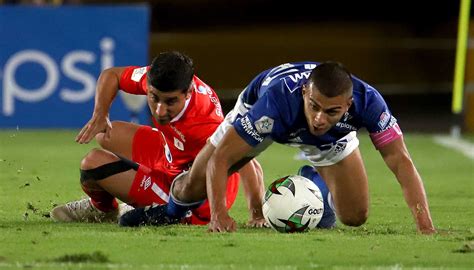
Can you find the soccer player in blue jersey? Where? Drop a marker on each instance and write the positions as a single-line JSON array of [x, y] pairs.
[[318, 108]]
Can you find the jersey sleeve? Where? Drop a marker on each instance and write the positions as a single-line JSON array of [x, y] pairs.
[[133, 80], [379, 121], [261, 121]]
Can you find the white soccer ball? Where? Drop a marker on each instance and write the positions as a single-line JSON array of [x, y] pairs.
[[293, 204]]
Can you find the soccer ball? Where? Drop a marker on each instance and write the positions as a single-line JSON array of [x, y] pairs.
[[293, 204]]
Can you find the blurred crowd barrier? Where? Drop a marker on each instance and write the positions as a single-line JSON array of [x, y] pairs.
[[50, 62]]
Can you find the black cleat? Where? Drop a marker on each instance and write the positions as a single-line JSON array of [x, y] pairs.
[[151, 215]]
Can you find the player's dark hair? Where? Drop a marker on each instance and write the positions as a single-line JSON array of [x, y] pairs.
[[331, 79], [171, 71]]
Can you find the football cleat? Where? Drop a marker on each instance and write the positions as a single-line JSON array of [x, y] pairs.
[[84, 211], [154, 215]]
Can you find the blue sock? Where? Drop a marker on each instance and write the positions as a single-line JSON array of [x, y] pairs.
[[178, 209], [329, 218]]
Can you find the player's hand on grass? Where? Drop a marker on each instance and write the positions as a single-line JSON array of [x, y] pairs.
[[222, 223], [429, 229], [97, 124], [256, 218], [257, 223], [424, 224]]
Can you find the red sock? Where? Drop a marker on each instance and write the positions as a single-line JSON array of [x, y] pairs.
[[100, 198]]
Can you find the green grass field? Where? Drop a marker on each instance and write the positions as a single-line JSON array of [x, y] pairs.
[[39, 169]]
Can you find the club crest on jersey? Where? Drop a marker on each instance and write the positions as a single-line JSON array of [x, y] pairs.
[[264, 125], [383, 120], [178, 144]]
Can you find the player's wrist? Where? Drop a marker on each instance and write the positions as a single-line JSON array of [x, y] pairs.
[[219, 213], [100, 112], [256, 213]]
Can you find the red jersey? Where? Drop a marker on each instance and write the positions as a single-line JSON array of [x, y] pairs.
[[188, 132]]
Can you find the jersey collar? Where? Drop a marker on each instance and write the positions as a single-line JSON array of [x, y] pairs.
[[180, 114]]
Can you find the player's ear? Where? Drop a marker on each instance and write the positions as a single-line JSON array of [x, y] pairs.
[[190, 89], [349, 102], [304, 89]]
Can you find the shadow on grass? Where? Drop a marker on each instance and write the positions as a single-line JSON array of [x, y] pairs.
[[94, 257]]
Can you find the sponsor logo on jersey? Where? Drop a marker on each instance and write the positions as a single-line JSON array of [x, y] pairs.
[[138, 73], [249, 129], [299, 76], [146, 182], [383, 119], [264, 125], [214, 101], [178, 144], [180, 134], [345, 126], [203, 89]]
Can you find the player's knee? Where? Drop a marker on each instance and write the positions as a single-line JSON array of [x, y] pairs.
[[93, 159], [355, 218]]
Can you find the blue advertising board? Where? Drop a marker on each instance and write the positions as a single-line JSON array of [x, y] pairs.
[[51, 57]]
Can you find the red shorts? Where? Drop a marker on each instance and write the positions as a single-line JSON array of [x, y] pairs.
[[153, 179]]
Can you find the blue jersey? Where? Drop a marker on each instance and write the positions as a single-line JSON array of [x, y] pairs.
[[275, 110]]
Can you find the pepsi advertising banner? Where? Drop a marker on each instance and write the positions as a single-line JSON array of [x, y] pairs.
[[51, 57]]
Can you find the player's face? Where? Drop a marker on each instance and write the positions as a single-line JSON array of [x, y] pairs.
[[164, 106], [322, 112]]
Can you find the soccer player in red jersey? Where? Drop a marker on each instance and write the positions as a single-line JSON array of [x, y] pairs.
[[137, 164]]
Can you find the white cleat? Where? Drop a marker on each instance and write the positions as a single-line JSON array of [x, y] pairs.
[[82, 211], [124, 208]]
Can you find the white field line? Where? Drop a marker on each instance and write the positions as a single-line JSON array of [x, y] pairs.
[[54, 265], [458, 144], [51, 265]]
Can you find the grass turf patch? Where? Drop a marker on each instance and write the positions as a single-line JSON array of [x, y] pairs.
[[39, 169]]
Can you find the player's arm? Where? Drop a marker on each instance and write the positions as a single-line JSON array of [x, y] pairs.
[[106, 90], [397, 158], [252, 179], [228, 152]]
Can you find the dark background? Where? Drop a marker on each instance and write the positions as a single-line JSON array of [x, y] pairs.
[[406, 49]]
